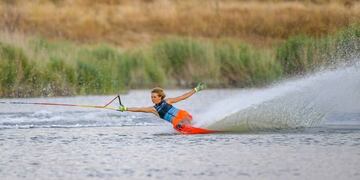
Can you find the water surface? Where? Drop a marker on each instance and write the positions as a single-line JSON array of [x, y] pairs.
[[301, 129]]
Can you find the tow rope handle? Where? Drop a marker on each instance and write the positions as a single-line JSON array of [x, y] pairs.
[[118, 96]]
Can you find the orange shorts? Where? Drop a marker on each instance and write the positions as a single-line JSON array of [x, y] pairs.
[[181, 116]]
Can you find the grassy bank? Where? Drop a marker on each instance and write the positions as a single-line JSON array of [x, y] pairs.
[[39, 67], [130, 23], [300, 54]]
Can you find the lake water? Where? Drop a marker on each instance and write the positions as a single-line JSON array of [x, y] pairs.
[[305, 128]]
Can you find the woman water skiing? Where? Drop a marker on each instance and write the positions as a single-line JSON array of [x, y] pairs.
[[164, 108]]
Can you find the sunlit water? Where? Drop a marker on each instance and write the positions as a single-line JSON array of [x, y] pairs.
[[307, 128]]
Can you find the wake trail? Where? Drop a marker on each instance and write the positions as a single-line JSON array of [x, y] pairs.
[[294, 103]]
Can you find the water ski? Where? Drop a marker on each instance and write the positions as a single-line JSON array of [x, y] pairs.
[[188, 129]]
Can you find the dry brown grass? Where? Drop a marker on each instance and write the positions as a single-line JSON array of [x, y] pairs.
[[128, 23]]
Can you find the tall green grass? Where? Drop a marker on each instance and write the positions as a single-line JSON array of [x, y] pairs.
[[241, 65], [52, 68], [220, 64], [185, 61], [18, 76], [301, 54]]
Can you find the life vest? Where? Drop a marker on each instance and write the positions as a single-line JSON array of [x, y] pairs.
[[166, 111]]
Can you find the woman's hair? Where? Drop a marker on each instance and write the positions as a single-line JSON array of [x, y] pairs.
[[160, 92]]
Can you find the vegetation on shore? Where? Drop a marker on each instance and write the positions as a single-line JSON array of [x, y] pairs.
[[132, 23], [300, 54], [78, 47], [41, 67]]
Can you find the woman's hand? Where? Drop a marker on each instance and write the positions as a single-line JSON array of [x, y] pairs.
[[200, 87], [122, 108]]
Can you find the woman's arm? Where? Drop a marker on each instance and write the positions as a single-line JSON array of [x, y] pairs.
[[198, 88], [141, 109], [138, 109], [180, 98]]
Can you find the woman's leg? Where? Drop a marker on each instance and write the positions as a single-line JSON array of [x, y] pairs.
[[186, 120]]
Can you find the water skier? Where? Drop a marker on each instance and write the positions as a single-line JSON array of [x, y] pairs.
[[164, 108]]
